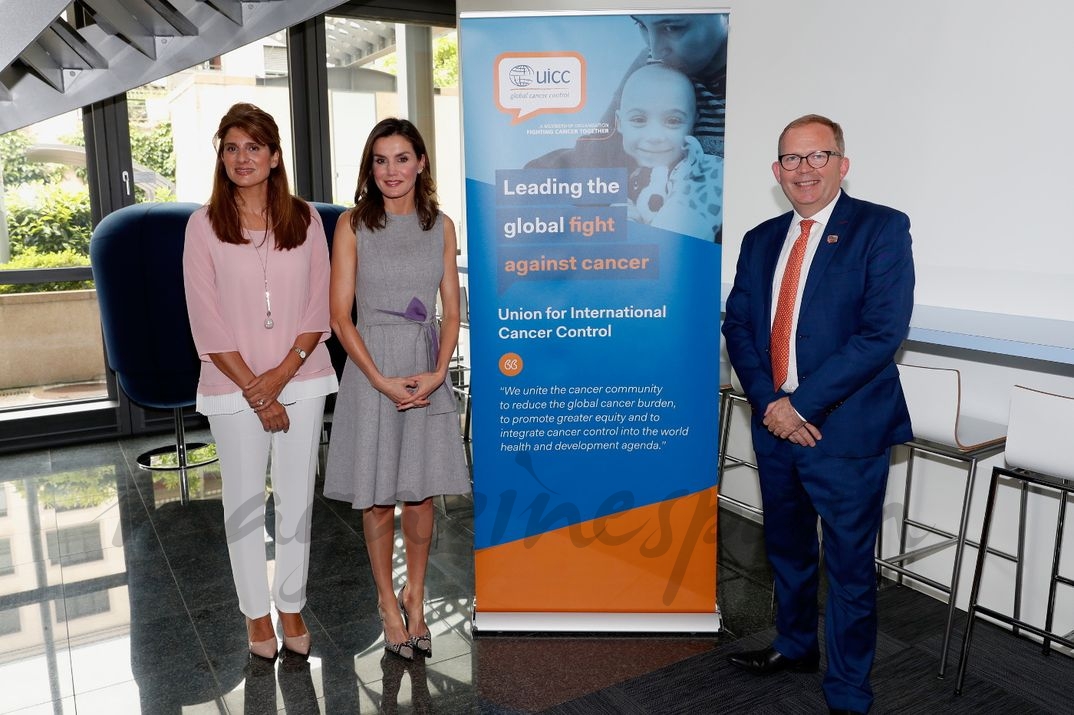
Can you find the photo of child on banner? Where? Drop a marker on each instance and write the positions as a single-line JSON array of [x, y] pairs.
[[676, 185], [696, 46]]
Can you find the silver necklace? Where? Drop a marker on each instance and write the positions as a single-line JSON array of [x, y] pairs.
[[264, 272]]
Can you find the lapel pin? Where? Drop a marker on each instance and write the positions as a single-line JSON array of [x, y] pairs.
[[833, 239]]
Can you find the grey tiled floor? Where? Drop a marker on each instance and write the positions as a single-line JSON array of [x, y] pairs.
[[118, 599]]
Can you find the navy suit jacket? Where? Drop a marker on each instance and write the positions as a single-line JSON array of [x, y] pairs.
[[855, 313]]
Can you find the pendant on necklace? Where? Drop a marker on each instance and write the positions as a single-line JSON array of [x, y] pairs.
[[269, 323], [268, 312]]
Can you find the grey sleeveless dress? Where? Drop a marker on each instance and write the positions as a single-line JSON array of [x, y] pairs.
[[378, 455]]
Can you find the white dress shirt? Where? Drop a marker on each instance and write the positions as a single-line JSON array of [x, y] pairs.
[[815, 233]]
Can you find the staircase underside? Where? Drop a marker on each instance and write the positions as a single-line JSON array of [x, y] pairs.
[[124, 44]]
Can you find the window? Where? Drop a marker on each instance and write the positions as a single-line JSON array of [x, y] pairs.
[[67, 400], [363, 65], [7, 560], [9, 622], [49, 320], [75, 545], [81, 606], [275, 60], [152, 150]]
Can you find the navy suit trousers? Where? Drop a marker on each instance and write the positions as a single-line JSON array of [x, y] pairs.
[[798, 485]]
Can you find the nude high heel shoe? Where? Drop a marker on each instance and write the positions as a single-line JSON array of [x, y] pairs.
[[266, 649], [300, 644]]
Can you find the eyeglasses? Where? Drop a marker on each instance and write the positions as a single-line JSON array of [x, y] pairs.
[[818, 159]]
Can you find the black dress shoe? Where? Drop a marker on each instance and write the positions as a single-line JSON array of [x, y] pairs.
[[770, 660]]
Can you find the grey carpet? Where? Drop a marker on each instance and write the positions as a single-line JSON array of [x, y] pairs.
[[1005, 674]]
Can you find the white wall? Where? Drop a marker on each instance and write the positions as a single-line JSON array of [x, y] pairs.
[[955, 113]]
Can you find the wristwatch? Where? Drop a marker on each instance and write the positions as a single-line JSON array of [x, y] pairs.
[[300, 352]]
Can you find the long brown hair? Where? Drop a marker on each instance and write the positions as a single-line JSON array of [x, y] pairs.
[[288, 215], [369, 201]]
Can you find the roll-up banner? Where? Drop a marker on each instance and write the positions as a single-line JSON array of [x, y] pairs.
[[594, 149]]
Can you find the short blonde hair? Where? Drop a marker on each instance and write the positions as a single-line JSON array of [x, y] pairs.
[[814, 119]]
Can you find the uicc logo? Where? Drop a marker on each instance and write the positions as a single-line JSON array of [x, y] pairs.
[[529, 83], [521, 75]]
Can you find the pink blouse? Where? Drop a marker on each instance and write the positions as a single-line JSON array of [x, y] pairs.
[[225, 295]]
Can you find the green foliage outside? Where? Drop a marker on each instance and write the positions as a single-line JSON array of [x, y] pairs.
[[152, 148], [53, 221], [445, 62], [31, 259], [48, 224], [161, 195]]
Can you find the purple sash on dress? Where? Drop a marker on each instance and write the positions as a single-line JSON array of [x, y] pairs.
[[418, 313]]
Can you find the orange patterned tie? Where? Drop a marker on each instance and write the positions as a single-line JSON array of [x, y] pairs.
[[780, 345]]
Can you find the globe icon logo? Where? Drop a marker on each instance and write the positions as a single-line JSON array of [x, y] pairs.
[[521, 75]]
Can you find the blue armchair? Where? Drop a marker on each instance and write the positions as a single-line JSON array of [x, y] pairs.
[[137, 258]]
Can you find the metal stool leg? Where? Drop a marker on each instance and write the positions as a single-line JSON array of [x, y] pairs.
[[725, 431], [956, 571], [976, 609], [956, 537], [1021, 554], [904, 526], [727, 407], [975, 590], [1055, 578]]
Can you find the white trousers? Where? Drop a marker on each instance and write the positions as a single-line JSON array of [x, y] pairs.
[[244, 448]]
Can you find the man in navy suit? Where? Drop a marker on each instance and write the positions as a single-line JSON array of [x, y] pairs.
[[825, 419]]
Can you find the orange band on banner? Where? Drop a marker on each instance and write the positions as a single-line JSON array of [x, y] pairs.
[[656, 558]]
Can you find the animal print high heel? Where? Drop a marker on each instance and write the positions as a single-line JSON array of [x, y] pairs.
[[402, 650], [423, 644]]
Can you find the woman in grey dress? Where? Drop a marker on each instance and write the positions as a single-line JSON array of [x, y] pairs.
[[395, 431]]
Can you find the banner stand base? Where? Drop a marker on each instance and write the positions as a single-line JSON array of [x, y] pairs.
[[493, 622]]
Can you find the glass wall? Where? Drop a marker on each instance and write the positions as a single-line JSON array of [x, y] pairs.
[[51, 330], [49, 322], [54, 383], [363, 88]]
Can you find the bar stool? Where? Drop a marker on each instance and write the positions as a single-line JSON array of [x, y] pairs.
[[940, 430], [732, 395], [1038, 454]]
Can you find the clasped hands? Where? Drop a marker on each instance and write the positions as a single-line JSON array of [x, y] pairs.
[[409, 392], [262, 393], [783, 421]]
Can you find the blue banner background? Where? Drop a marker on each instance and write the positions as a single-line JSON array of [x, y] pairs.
[[561, 480]]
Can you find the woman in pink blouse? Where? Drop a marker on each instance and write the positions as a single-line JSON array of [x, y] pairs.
[[256, 271]]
